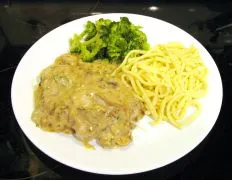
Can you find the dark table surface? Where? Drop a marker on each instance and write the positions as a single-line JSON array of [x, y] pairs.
[[24, 22]]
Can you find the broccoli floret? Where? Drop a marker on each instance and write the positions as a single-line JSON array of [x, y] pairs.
[[90, 30], [75, 44], [106, 39], [117, 45]]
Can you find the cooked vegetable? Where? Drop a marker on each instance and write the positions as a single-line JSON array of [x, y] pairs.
[[106, 39]]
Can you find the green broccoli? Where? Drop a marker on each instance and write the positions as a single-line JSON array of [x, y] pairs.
[[106, 39]]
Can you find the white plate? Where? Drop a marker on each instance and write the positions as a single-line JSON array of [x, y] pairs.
[[152, 147]]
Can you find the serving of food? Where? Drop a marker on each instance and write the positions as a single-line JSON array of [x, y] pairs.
[[114, 79], [84, 100]]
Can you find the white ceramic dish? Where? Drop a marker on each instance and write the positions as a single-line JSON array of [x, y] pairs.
[[152, 147]]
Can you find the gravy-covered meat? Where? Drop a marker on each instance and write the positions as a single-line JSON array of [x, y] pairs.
[[85, 100]]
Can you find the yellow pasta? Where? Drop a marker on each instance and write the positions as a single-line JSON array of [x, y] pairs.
[[169, 79]]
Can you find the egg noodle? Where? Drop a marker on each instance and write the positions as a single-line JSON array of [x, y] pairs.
[[169, 79]]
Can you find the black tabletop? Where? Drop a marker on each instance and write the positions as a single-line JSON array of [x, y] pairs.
[[24, 22]]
